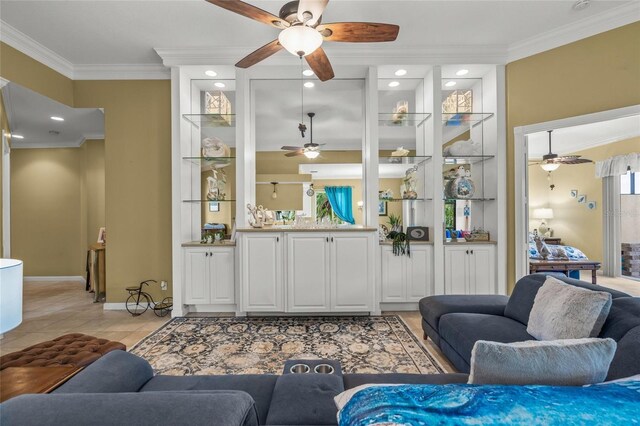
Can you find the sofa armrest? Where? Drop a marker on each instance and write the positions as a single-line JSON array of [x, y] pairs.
[[432, 308], [142, 409]]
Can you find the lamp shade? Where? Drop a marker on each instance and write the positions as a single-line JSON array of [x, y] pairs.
[[10, 294], [300, 40], [549, 167], [545, 213]]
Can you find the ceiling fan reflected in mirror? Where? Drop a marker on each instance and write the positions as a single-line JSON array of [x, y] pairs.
[[551, 161], [302, 32], [310, 150]]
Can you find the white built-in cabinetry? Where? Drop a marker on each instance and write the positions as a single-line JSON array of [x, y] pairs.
[[406, 278], [470, 269], [314, 271], [209, 275]]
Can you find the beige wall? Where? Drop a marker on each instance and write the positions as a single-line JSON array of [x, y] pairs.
[[594, 74], [137, 178], [93, 184], [574, 222]]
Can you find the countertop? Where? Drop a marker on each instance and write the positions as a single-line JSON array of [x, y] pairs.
[[463, 243], [223, 243], [411, 243], [292, 229]]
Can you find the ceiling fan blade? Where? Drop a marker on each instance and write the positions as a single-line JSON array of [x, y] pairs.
[[358, 32], [294, 154], [252, 12], [260, 54], [572, 159], [315, 7], [320, 64], [292, 148]]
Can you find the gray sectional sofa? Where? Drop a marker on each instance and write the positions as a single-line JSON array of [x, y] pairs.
[[455, 323], [120, 388]]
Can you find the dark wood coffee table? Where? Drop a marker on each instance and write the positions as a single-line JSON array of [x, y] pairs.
[[16, 381], [564, 266]]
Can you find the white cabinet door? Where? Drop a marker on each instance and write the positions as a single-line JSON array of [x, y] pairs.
[[419, 272], [261, 272], [307, 272], [196, 276], [221, 275], [352, 271], [456, 270], [393, 276], [482, 269]]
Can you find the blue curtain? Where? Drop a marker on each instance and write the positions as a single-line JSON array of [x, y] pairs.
[[340, 199]]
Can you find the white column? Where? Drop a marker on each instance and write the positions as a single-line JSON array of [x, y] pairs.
[[611, 263]]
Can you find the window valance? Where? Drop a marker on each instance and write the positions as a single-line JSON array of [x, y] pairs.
[[618, 165]]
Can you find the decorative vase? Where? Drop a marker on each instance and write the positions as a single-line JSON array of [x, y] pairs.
[[461, 187]]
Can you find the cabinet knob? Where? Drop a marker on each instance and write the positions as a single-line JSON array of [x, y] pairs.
[[211, 253], [206, 254], [467, 251], [327, 239], [471, 251], [331, 239], [277, 239]]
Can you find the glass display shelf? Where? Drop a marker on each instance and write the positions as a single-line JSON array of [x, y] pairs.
[[395, 200], [208, 201], [409, 159], [211, 120], [467, 159], [465, 118], [410, 119], [210, 161], [469, 199]]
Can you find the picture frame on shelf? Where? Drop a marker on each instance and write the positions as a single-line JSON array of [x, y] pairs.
[[214, 207], [382, 208]]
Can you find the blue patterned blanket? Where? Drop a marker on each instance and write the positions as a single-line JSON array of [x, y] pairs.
[[610, 404], [557, 252]]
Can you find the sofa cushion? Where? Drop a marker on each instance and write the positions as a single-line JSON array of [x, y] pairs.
[[229, 408], [524, 293], [569, 362], [305, 399], [353, 380], [562, 311], [117, 371], [626, 361], [462, 331], [623, 316], [433, 307], [259, 386]]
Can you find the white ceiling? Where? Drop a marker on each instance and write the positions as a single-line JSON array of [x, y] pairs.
[[30, 113], [569, 140], [87, 33]]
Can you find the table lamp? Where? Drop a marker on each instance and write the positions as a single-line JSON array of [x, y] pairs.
[[10, 294], [543, 214]]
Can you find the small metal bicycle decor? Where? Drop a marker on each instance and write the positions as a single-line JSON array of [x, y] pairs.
[[139, 301]]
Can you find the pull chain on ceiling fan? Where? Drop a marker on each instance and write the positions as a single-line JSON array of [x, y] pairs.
[[310, 150], [302, 32]]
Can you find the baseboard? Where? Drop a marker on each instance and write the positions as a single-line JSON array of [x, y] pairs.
[[55, 278], [114, 306]]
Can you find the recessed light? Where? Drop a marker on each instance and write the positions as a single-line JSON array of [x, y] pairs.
[[14, 136], [401, 72], [309, 84], [394, 84], [211, 73], [55, 118], [218, 84], [462, 72], [450, 83], [308, 73]]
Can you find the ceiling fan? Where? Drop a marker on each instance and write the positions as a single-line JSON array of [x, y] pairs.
[[551, 161], [303, 33], [310, 150]]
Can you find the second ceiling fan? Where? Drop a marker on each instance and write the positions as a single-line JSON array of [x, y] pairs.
[[302, 32], [310, 150]]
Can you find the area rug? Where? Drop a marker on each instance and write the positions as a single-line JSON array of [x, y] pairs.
[[375, 344]]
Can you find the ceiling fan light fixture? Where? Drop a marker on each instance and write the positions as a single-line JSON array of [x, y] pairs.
[[311, 153], [300, 40], [549, 167]]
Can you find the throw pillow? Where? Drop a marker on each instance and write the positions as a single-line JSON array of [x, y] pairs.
[[564, 311], [571, 362]]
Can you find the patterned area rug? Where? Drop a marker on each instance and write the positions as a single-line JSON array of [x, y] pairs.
[[377, 344]]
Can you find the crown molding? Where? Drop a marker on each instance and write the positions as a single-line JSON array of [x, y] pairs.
[[609, 20], [344, 55], [25, 44]]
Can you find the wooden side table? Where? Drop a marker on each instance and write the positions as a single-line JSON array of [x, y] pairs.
[[16, 381], [556, 241], [564, 266]]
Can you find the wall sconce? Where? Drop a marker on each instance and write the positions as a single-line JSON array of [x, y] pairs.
[[274, 195], [360, 205]]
